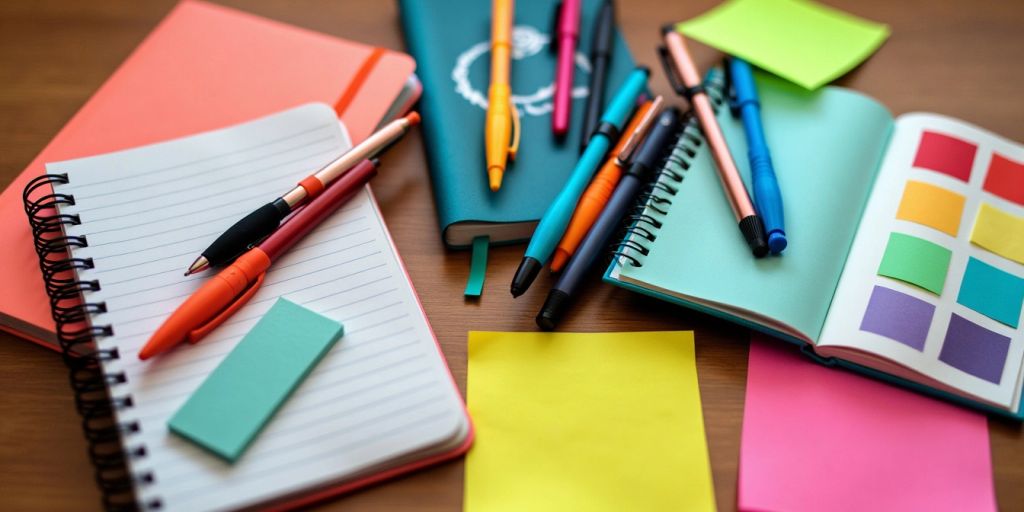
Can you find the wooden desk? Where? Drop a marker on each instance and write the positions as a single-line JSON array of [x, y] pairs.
[[960, 59]]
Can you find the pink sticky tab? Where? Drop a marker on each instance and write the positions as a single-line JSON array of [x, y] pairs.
[[946, 154], [1005, 178], [821, 439]]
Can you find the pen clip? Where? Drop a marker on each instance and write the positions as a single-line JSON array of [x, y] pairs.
[[633, 142], [671, 73], [730, 92], [553, 47], [516, 129], [200, 332]]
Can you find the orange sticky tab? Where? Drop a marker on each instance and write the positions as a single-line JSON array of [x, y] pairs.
[[312, 185]]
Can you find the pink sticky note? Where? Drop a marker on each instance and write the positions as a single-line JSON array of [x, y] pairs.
[[821, 439]]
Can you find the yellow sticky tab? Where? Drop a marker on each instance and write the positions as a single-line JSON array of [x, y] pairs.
[[999, 232], [596, 422], [931, 206], [513, 149]]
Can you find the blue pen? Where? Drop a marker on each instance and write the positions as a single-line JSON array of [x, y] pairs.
[[767, 197], [552, 225], [642, 166]]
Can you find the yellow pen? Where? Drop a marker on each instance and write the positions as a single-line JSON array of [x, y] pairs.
[[502, 117]]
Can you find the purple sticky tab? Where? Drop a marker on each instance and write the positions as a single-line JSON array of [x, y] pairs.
[[974, 349], [898, 316]]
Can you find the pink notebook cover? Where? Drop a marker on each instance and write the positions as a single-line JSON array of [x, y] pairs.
[[203, 67], [820, 439]]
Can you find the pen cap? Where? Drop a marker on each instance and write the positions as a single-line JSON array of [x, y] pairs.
[[741, 78]]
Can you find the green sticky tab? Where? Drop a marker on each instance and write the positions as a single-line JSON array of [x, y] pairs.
[[478, 267], [241, 395], [804, 42], [916, 261]]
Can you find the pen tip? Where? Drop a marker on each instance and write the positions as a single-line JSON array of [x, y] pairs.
[[494, 177], [413, 118], [525, 274], [199, 265]]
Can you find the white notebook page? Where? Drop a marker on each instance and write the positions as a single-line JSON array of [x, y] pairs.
[[382, 393]]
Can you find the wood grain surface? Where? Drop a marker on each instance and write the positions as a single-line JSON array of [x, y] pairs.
[[957, 58]]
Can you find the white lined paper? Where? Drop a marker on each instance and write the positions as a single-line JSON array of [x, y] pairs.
[[382, 393]]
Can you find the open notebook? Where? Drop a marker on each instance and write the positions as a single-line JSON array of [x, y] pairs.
[[906, 255], [381, 401]]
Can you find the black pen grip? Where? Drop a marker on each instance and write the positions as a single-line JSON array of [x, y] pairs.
[[246, 232]]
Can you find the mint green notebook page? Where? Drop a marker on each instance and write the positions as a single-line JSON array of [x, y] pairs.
[[826, 147]]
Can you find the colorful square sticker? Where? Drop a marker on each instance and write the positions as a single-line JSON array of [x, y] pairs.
[[915, 261], [999, 232], [974, 349], [931, 206], [1005, 179], [992, 292], [898, 316], [945, 154]]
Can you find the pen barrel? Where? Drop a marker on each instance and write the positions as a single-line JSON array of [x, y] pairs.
[[498, 127], [595, 101], [243, 234], [563, 85], [767, 194]]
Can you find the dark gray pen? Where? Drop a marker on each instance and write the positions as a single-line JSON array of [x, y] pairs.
[[644, 162], [600, 56]]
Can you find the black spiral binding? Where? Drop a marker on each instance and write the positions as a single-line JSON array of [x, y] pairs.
[[641, 225], [77, 336]]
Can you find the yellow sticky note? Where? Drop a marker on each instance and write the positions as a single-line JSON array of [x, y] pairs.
[[590, 422], [999, 232], [931, 206]]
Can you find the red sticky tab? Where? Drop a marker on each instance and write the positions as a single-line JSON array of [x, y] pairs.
[[1005, 179], [946, 154]]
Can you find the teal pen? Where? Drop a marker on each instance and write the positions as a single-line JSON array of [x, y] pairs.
[[552, 225]]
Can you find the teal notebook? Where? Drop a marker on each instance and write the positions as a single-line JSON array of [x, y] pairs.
[[450, 41], [897, 228]]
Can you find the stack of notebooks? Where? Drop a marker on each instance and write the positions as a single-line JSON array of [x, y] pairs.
[[906, 257], [381, 403]]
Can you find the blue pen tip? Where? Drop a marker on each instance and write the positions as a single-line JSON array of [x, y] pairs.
[[777, 241]]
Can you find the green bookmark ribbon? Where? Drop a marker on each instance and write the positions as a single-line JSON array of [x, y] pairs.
[[478, 267]]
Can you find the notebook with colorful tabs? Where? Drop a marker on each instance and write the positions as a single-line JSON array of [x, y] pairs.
[[906, 256], [380, 402], [203, 67], [454, 66]]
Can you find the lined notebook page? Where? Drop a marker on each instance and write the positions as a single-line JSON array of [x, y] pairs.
[[381, 394]]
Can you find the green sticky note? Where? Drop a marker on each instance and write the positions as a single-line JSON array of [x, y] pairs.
[[801, 41], [916, 261], [241, 395], [477, 268]]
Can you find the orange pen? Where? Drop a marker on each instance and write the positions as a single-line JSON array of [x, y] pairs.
[[229, 290], [596, 196], [501, 131]]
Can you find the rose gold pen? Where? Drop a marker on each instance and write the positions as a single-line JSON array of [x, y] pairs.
[[685, 79], [257, 225]]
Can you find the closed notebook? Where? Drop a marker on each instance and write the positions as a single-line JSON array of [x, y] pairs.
[[451, 43], [896, 227], [203, 67], [378, 403]]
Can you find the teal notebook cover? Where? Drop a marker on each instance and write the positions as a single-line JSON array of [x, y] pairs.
[[826, 164], [450, 41]]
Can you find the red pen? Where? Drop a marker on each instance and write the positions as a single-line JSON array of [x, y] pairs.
[[229, 290], [567, 37]]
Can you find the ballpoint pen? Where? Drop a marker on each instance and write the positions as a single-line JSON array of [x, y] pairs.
[[647, 158], [225, 293], [600, 189], [552, 225], [767, 196], [566, 39], [501, 131], [600, 55], [263, 221], [682, 73]]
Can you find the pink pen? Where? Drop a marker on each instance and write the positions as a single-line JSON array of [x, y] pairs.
[[567, 37], [682, 73]]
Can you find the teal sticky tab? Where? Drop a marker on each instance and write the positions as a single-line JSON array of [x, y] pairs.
[[241, 395], [992, 292], [478, 267]]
